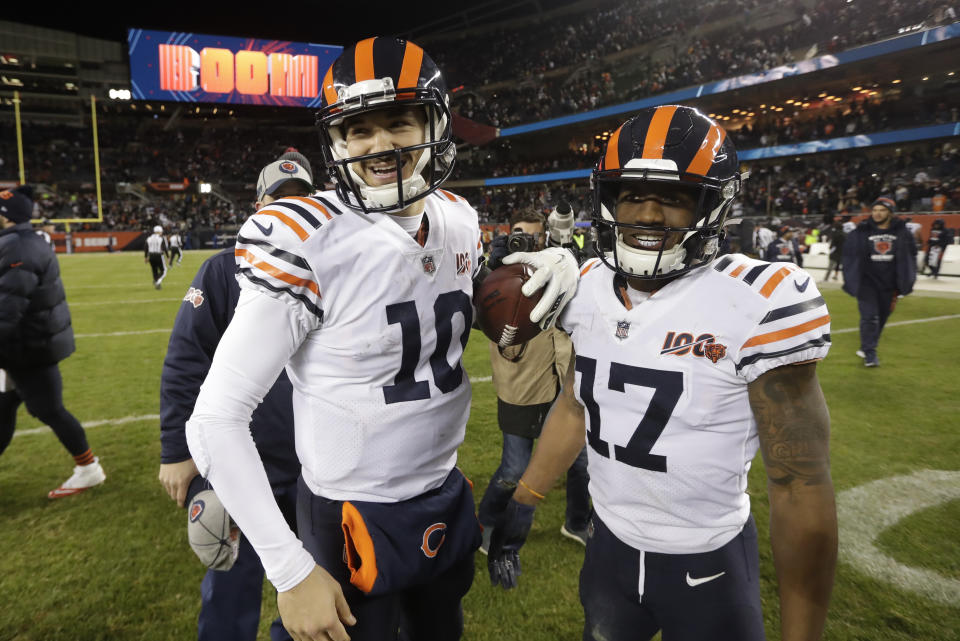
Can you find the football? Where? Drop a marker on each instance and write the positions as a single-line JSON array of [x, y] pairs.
[[503, 312]]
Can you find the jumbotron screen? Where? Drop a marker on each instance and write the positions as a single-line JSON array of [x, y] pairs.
[[192, 67]]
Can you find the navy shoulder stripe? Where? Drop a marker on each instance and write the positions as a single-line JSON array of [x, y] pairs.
[[792, 310], [286, 256], [330, 206], [301, 211], [722, 263], [754, 273], [248, 274], [753, 358]]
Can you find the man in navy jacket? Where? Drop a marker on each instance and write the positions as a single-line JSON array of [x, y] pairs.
[[35, 335], [230, 608], [879, 264]]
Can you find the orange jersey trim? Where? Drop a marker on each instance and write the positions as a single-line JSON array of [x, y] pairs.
[[361, 556], [626, 297], [657, 133], [702, 162], [312, 203], [738, 270], [286, 220], [588, 267], [779, 335], [775, 280], [450, 196], [611, 159], [363, 60], [276, 272]]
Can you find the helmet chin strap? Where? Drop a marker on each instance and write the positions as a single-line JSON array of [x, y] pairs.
[[386, 195]]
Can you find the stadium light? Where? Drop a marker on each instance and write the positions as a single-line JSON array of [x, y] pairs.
[[205, 188], [950, 74], [857, 88], [897, 81], [925, 78], [119, 94]]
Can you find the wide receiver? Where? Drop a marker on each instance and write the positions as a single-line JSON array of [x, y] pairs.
[[364, 294], [684, 366]]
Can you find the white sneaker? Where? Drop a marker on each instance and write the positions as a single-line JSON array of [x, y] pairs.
[[84, 477], [861, 353]]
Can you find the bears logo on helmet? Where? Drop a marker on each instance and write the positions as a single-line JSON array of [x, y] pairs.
[[667, 144], [373, 74]]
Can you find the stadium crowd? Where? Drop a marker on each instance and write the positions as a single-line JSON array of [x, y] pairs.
[[506, 79], [925, 178], [535, 92]]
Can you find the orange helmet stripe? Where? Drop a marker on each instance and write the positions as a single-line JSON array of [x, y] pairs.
[[612, 158], [657, 132], [363, 60], [328, 91], [410, 71], [708, 151]]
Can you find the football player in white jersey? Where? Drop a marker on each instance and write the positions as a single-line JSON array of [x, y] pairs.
[[684, 366], [365, 296]]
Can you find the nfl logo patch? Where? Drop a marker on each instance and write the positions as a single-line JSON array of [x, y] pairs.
[[428, 266], [623, 327]]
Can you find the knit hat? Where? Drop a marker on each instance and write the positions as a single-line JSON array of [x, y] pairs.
[[886, 202], [16, 205]]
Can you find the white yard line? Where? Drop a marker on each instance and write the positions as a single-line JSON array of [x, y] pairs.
[[89, 424], [487, 379], [112, 286], [131, 333], [847, 330], [138, 301]]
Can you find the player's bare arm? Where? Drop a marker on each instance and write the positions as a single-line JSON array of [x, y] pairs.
[[794, 429], [558, 446]]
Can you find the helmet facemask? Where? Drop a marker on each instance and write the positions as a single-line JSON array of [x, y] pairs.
[[437, 151], [699, 241]]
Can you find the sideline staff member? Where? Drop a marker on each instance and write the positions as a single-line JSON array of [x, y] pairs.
[[230, 608]]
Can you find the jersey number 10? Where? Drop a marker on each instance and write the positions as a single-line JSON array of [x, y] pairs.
[[405, 387]]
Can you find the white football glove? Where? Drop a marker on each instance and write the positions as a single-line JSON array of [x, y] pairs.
[[555, 268]]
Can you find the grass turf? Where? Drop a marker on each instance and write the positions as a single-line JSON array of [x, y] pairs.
[[114, 563]]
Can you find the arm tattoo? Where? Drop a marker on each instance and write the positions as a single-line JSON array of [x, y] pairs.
[[793, 424]]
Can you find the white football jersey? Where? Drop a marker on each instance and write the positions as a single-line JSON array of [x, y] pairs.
[[381, 400], [663, 380]]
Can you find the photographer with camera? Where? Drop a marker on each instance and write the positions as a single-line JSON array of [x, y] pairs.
[[527, 379], [562, 231]]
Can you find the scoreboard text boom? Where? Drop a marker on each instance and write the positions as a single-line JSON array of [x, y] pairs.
[[200, 68]]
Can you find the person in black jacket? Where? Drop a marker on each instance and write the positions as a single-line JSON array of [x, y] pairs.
[[879, 264], [35, 335], [230, 600]]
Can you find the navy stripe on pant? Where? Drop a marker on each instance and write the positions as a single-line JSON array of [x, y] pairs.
[[628, 595], [875, 306], [427, 612], [230, 601]]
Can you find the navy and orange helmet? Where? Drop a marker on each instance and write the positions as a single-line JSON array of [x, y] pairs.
[[378, 73], [673, 144]]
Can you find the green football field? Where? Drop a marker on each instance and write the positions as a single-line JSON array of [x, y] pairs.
[[113, 563]]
